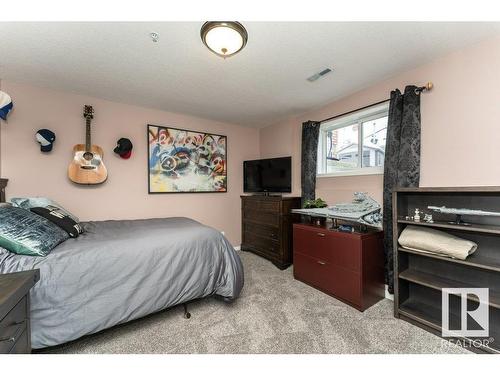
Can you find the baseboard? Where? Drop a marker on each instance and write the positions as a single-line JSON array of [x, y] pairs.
[[237, 248], [387, 294]]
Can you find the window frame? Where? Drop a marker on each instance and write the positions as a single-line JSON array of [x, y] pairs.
[[358, 117]]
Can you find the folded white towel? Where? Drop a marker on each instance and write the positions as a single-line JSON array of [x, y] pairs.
[[433, 241]]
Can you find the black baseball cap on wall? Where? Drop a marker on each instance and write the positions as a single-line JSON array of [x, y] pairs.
[[124, 148], [46, 138]]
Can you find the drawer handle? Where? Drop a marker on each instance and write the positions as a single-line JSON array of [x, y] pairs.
[[321, 262], [13, 338], [321, 234]]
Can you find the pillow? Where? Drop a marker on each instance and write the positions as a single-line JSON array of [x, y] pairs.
[[28, 203], [59, 218], [25, 233], [428, 240]]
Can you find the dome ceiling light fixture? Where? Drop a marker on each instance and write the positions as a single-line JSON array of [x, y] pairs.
[[224, 38]]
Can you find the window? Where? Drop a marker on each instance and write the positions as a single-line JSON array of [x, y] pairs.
[[354, 144]]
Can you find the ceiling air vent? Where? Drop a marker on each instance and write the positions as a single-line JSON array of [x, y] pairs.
[[316, 76]]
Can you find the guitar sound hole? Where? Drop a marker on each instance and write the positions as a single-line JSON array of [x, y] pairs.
[[88, 156]]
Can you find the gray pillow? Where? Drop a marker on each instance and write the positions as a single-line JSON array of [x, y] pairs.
[[30, 202], [25, 233]]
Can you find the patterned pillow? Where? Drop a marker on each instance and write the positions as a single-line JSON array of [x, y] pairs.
[[29, 203], [60, 218], [25, 233]]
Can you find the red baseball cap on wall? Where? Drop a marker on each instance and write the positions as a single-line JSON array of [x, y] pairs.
[[126, 155]]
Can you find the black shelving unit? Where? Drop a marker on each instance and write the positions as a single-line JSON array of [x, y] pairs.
[[420, 277]]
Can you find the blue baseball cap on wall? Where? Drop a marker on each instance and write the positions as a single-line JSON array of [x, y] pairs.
[[5, 105], [46, 138]]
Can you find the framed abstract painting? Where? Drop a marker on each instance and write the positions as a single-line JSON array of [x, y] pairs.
[[186, 161]]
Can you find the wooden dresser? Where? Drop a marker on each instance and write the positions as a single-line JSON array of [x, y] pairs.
[[15, 330], [266, 227], [3, 185], [348, 266]]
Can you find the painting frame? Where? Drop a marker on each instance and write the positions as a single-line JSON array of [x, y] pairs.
[[151, 189]]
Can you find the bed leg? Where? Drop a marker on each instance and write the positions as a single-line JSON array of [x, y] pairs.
[[187, 315]]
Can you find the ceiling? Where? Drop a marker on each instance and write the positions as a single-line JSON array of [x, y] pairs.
[[261, 85]]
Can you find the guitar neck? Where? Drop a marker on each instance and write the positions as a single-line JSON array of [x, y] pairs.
[[87, 135]]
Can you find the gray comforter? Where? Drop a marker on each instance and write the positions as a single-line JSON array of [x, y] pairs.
[[121, 270]]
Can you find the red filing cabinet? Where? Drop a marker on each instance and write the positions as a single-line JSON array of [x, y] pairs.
[[347, 266]]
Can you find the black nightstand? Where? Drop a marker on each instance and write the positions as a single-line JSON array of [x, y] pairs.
[[15, 330]]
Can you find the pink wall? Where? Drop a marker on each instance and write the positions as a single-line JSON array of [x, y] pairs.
[[460, 141], [125, 194], [460, 124]]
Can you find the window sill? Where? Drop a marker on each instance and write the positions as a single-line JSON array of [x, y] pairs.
[[354, 172]]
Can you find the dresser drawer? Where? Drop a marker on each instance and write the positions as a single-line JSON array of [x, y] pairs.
[[266, 227], [340, 249], [264, 245], [14, 316], [12, 326], [21, 345], [262, 205], [265, 231], [325, 276], [262, 217]]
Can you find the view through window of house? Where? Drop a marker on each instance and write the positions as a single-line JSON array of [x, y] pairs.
[[374, 137], [354, 144]]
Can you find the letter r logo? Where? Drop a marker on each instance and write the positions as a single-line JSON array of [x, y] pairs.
[[479, 315]]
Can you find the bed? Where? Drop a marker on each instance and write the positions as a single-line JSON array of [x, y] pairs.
[[118, 271]]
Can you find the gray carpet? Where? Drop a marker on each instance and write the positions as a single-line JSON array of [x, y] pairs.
[[274, 314]]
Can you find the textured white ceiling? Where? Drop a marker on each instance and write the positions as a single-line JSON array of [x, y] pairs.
[[262, 84]]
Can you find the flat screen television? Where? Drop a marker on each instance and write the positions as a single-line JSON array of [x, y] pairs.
[[268, 175]]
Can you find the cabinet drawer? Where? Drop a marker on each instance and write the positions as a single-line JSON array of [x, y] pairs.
[[333, 280], [340, 249], [347, 285], [12, 326], [312, 271], [262, 205]]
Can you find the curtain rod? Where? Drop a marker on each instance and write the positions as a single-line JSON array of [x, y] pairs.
[[428, 86], [354, 110]]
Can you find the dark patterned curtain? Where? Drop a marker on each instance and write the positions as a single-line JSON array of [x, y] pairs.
[[310, 135], [402, 161]]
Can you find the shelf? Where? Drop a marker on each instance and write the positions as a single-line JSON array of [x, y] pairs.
[[431, 316], [475, 260], [422, 276], [423, 313], [438, 283], [478, 228]]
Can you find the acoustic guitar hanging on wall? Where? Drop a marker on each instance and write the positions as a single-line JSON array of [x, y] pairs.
[[87, 167]]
